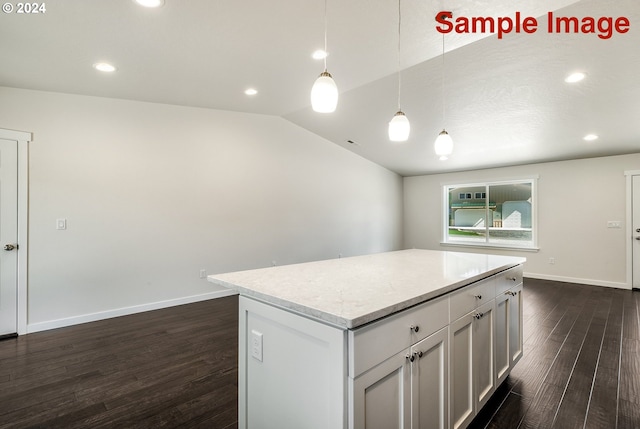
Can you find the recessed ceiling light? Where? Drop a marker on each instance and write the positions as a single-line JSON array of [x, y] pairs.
[[104, 67], [590, 137], [319, 55], [150, 3], [250, 91], [575, 77]]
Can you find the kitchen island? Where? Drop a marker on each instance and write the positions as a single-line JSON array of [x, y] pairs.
[[413, 338]]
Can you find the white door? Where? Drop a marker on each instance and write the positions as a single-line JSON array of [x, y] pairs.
[[636, 231], [8, 236]]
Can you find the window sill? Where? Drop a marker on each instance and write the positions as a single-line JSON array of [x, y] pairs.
[[491, 246]]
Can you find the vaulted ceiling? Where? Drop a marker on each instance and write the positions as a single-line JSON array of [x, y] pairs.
[[504, 100]]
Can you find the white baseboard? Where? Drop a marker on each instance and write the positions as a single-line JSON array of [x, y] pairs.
[[92, 317], [578, 280]]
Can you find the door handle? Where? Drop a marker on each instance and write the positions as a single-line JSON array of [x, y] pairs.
[[10, 247]]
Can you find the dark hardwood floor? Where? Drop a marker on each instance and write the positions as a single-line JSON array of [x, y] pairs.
[[581, 364], [170, 368], [177, 368]]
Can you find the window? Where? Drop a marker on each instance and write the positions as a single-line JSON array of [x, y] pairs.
[[497, 214]]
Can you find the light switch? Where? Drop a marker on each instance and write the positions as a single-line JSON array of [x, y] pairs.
[[256, 345], [61, 224]]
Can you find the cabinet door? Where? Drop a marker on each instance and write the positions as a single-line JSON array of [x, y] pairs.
[[461, 394], [483, 357], [515, 325], [382, 395], [508, 332], [430, 382], [502, 352]]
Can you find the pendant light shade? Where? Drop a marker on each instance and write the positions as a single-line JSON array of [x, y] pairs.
[[324, 94], [443, 145], [399, 127]]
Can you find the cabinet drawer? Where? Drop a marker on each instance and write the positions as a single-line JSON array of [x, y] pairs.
[[508, 279], [470, 297], [373, 343]]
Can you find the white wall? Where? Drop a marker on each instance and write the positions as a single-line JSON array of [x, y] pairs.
[[154, 193], [575, 200]]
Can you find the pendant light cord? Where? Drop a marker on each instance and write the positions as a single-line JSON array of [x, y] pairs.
[[399, 70], [325, 36], [443, 103]]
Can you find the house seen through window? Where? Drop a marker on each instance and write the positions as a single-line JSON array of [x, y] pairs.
[[499, 214]]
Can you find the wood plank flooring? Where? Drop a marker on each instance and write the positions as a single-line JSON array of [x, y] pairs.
[[177, 368], [581, 364], [170, 368]]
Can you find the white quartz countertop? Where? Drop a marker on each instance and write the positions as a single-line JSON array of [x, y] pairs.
[[350, 292]]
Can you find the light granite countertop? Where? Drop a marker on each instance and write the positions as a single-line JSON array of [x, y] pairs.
[[350, 292]]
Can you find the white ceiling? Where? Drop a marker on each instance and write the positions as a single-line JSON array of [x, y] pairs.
[[505, 99]]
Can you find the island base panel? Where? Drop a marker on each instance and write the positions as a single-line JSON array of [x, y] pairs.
[[299, 382]]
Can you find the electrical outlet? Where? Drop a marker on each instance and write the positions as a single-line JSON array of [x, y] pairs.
[[614, 224], [552, 261], [256, 345], [203, 273]]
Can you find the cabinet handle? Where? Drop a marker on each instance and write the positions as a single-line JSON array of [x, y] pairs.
[[411, 357], [512, 278], [479, 316], [478, 296], [415, 328]]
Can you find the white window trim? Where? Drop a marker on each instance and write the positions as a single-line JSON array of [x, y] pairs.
[[444, 213]]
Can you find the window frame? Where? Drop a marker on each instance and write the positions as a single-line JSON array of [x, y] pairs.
[[445, 207]]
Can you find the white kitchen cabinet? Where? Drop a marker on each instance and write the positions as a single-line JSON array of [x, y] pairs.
[[408, 390], [461, 391], [381, 397], [408, 342], [430, 382], [483, 354], [472, 364], [388, 391], [502, 352], [515, 325], [508, 331], [472, 352]]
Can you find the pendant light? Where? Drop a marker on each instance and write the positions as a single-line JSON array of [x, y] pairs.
[[444, 144], [324, 93], [399, 127]]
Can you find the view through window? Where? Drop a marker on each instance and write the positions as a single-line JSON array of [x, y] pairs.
[[497, 214]]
